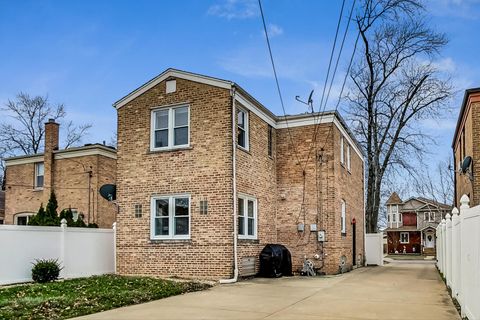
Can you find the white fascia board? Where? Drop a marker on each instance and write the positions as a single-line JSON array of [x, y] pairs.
[[66, 154], [26, 160], [304, 121], [252, 107], [176, 74]]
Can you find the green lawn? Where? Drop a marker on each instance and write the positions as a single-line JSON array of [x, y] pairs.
[[76, 297]]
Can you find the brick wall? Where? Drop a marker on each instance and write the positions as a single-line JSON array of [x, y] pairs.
[[70, 183], [204, 170]]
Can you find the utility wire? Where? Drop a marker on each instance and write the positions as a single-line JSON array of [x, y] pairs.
[[325, 101], [276, 81]]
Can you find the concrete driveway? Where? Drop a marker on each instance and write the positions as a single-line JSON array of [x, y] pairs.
[[396, 291]]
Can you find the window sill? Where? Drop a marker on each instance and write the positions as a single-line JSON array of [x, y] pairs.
[[344, 234], [171, 241], [248, 241], [37, 189], [153, 151], [243, 149]]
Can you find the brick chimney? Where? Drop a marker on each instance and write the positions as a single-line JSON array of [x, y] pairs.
[[51, 144]]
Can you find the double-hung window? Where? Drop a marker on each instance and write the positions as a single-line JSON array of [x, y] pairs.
[[344, 217], [170, 217], [170, 128], [342, 150], [404, 237], [39, 174], [270, 140], [348, 157], [242, 128], [247, 217]]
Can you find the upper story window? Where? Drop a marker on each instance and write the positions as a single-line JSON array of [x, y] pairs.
[[39, 174], [342, 150], [270, 140], [344, 217], [348, 157], [247, 217], [170, 128], [170, 217], [242, 128]]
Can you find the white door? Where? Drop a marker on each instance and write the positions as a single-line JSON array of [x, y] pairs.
[[429, 241]]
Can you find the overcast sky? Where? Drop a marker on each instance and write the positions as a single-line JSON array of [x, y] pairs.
[[88, 54]]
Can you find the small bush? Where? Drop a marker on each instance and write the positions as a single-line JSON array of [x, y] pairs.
[[45, 270]]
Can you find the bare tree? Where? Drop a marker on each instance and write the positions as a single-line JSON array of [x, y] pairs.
[[436, 185], [395, 85], [22, 130]]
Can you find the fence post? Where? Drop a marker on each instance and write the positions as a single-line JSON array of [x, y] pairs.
[[438, 245], [456, 263], [63, 230], [114, 227], [448, 249], [444, 248], [465, 204]]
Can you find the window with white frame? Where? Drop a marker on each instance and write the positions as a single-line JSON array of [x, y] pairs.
[[247, 217], [348, 157], [170, 128], [170, 217], [22, 219], [404, 237], [342, 150], [270, 140], [242, 128], [400, 218], [39, 174], [344, 217]]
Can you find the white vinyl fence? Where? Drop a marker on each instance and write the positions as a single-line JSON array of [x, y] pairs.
[[81, 252], [458, 256], [374, 248]]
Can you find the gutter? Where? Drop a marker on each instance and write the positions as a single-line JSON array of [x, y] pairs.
[[234, 195]]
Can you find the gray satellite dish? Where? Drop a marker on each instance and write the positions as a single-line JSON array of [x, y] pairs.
[[109, 192], [466, 164]]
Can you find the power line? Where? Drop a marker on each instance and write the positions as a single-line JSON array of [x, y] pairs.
[[325, 101], [276, 81]]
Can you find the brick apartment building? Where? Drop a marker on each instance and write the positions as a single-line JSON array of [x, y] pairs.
[[75, 174], [466, 144], [207, 176]]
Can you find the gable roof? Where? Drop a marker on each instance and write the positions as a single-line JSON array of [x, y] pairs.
[[467, 94], [244, 97], [394, 199]]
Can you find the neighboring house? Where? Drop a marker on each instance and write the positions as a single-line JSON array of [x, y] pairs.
[[75, 174], [2, 206], [411, 224], [207, 176], [466, 143]]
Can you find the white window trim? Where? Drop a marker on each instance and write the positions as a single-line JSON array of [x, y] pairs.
[[343, 220], [348, 157], [29, 215], [171, 215], [171, 127], [246, 129], [246, 198], [342, 150], [36, 175], [408, 237]]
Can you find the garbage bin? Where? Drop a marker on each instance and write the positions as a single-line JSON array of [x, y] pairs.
[[275, 261]]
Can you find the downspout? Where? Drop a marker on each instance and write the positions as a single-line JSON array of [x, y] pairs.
[[234, 195]]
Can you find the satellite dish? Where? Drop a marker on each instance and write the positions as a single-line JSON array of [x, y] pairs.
[[108, 191], [466, 164]]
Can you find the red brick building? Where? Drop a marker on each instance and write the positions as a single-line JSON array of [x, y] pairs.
[[207, 176], [75, 174], [412, 223]]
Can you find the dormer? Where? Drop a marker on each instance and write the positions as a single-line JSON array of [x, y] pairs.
[[394, 217]]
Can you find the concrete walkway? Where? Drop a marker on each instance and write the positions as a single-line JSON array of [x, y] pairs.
[[396, 291]]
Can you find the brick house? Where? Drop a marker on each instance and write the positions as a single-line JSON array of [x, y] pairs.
[[207, 176], [75, 174], [466, 144], [411, 224]]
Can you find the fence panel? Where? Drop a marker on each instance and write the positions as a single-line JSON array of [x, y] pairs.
[[81, 252], [374, 248]]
